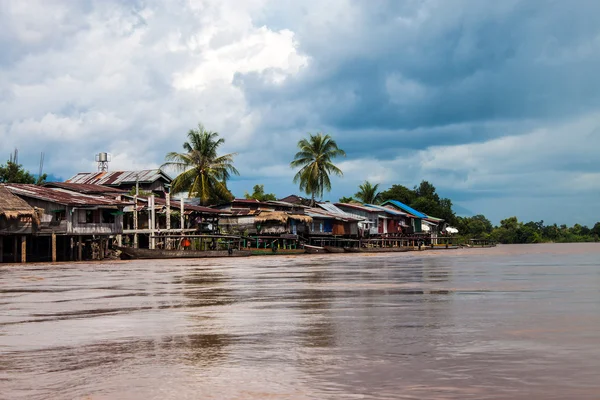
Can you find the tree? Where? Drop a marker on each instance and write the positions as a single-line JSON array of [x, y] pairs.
[[315, 162], [398, 192], [596, 229], [259, 194], [204, 173], [368, 193], [427, 190], [11, 172], [347, 200]]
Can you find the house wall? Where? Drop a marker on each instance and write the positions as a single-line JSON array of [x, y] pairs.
[[16, 226], [240, 224], [77, 223]]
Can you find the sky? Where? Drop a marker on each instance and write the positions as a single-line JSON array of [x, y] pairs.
[[495, 103]]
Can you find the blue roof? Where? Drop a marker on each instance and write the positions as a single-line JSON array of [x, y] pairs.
[[406, 208]]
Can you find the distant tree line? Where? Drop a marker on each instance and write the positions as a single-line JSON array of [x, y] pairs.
[[511, 230]]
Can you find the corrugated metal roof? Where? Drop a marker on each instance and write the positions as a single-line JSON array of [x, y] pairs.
[[319, 213], [84, 187], [387, 210], [406, 208], [335, 210], [116, 178], [356, 207], [61, 196]]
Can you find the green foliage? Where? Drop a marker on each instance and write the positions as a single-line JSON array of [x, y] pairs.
[[346, 200], [204, 173], [511, 230], [259, 194], [474, 227], [422, 198], [398, 192], [315, 162], [368, 193], [12, 172]]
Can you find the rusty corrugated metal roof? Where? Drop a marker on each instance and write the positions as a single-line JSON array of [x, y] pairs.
[[61, 196], [84, 187], [116, 178]]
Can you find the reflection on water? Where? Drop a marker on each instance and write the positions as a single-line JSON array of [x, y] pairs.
[[514, 322]]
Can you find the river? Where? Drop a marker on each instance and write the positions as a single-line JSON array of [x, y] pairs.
[[511, 322]]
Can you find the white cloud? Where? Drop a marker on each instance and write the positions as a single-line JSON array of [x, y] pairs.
[[127, 76]]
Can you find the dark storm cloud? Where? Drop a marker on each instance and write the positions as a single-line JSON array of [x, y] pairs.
[[461, 64]]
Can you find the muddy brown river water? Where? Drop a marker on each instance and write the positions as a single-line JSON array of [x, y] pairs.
[[511, 322]]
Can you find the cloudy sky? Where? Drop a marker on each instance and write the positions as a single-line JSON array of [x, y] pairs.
[[496, 103]]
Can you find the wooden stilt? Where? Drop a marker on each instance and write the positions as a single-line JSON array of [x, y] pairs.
[[23, 249], [53, 247], [79, 249], [152, 223], [16, 250], [101, 249], [181, 209], [135, 222]]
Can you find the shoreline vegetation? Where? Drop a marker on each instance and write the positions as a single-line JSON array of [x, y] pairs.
[[203, 174]]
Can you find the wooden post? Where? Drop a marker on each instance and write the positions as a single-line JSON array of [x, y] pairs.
[[79, 249], [182, 219], [168, 223], [53, 247], [1, 249], [135, 223], [152, 222], [15, 250], [101, 249], [23, 249]]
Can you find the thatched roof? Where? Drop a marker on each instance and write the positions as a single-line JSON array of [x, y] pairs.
[[279, 216], [12, 206]]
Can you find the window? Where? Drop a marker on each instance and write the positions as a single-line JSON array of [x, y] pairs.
[[108, 217], [89, 216], [60, 215]]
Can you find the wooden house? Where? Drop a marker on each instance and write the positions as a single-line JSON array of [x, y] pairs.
[[17, 221], [280, 222], [370, 217], [391, 221], [243, 213], [66, 218]]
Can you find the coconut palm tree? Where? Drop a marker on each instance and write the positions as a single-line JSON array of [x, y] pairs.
[[314, 160], [368, 193], [203, 173]]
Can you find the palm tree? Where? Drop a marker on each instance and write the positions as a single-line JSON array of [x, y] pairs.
[[368, 193], [314, 160], [204, 174]]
